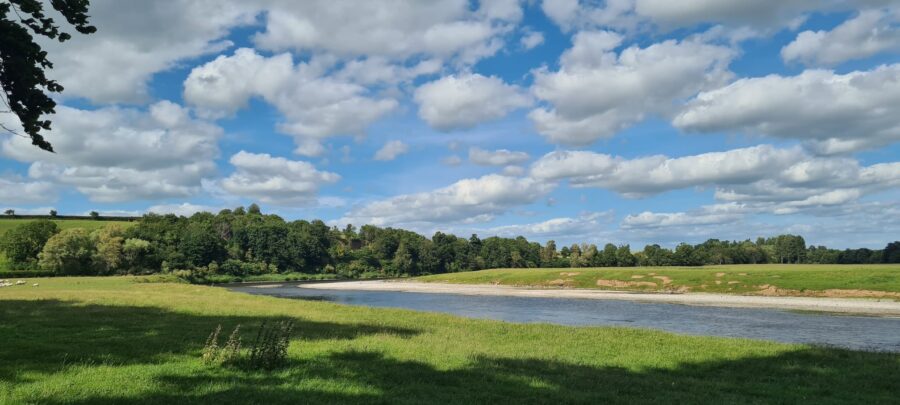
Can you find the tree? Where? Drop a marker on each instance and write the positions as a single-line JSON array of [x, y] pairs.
[[891, 253], [52, 213], [548, 254], [10, 212], [95, 215], [607, 257], [23, 62], [68, 252], [22, 244], [624, 258], [109, 241], [403, 260], [253, 209], [136, 254]]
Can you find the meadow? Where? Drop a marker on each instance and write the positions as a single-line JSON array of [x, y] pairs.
[[119, 340], [870, 280]]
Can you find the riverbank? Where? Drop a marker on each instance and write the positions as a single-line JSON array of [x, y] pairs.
[[877, 307]]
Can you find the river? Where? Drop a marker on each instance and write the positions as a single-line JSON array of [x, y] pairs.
[[853, 332]]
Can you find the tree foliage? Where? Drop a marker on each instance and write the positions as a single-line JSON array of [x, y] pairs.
[[22, 244], [242, 242], [23, 63], [69, 252]]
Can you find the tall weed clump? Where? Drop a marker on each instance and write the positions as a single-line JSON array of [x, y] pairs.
[[268, 350]]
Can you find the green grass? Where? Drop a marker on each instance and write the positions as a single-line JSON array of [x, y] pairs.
[[809, 278], [114, 340], [7, 224]]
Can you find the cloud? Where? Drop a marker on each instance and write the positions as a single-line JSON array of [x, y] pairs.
[[655, 174], [466, 100], [531, 39], [446, 29], [573, 14], [833, 113], [586, 224], [706, 215], [500, 157], [732, 12], [183, 209], [761, 178], [869, 33], [314, 106], [116, 63], [14, 190], [117, 154], [452, 160], [275, 180], [391, 150], [467, 200], [597, 93]]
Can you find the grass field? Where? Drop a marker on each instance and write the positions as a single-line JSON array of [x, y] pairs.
[[113, 340], [770, 279], [7, 224]]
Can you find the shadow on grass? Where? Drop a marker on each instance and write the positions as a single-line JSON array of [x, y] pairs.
[[131, 335], [46, 335], [811, 376]]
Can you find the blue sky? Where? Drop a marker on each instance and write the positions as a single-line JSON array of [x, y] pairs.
[[628, 121]]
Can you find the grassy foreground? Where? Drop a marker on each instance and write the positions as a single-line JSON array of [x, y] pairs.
[[114, 340], [874, 280]]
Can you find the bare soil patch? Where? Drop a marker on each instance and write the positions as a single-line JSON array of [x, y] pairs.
[[561, 282], [665, 279], [773, 291], [622, 284]]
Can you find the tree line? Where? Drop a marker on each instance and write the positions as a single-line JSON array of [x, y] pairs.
[[242, 242]]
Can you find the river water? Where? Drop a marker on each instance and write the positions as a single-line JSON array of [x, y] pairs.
[[854, 332]]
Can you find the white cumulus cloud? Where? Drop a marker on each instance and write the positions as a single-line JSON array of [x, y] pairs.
[[869, 33], [833, 113], [597, 92], [391, 150], [466, 100], [275, 180]]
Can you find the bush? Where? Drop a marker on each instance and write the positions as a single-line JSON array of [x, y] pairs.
[[68, 252], [24, 243]]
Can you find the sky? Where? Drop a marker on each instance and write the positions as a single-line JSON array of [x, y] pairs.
[[624, 121]]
